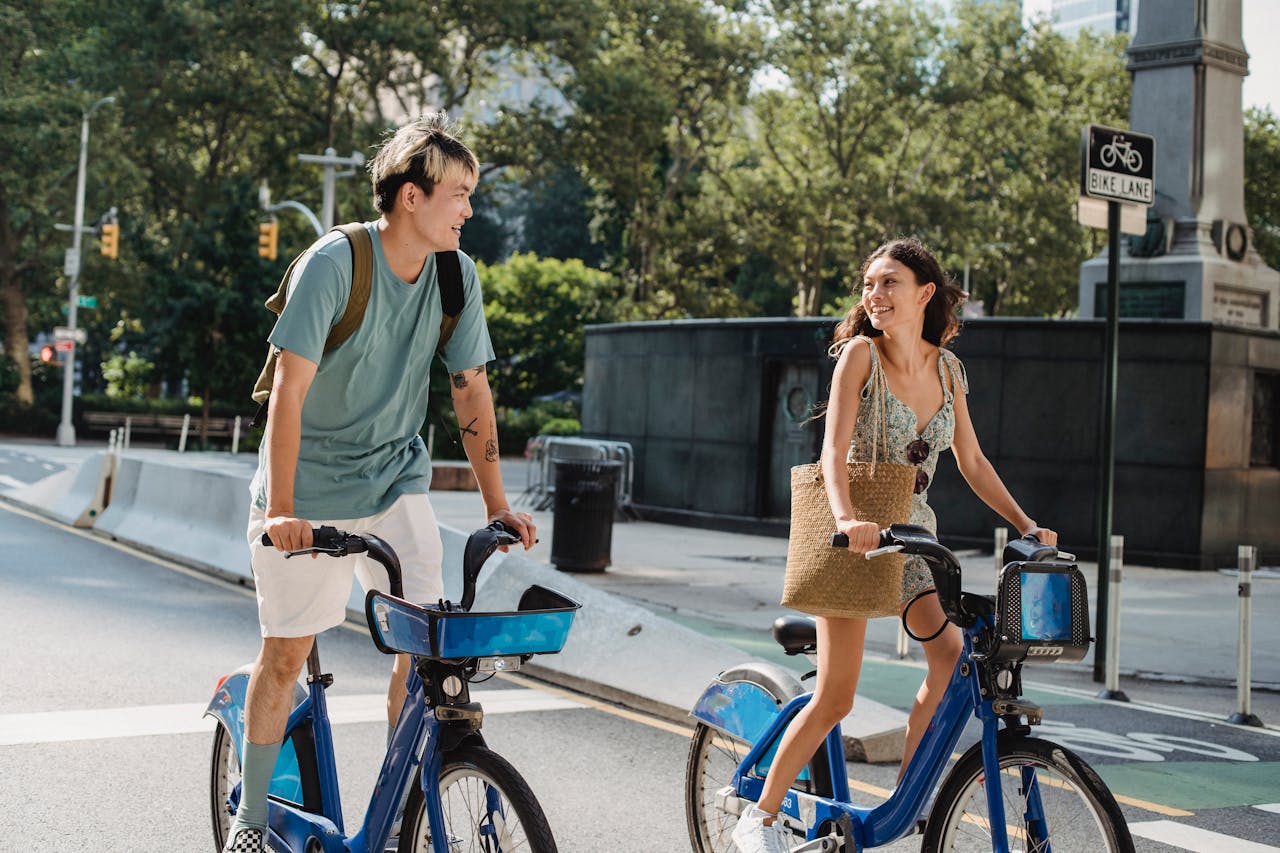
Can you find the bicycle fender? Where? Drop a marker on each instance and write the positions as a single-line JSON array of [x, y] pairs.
[[743, 701], [227, 707]]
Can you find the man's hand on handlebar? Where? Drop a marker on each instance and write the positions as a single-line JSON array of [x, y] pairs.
[[519, 522], [1044, 534], [288, 533], [863, 536]]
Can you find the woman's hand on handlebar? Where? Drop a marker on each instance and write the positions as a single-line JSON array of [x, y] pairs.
[[288, 533], [1044, 534], [521, 523], [863, 536]]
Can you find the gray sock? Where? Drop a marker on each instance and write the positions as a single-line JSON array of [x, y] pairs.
[[258, 764]]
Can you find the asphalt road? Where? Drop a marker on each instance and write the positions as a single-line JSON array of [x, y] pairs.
[[109, 657]]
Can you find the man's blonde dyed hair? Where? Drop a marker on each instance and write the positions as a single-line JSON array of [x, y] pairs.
[[422, 152]]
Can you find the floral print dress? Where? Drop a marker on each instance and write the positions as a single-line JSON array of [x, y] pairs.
[[899, 432]]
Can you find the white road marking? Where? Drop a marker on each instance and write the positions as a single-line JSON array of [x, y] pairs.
[[11, 482], [1274, 808], [150, 720], [1196, 840]]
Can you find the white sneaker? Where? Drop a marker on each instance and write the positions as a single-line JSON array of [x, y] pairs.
[[753, 835]]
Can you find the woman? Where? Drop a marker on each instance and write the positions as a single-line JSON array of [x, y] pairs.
[[893, 383]]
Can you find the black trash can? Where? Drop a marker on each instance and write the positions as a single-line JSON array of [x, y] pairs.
[[585, 499]]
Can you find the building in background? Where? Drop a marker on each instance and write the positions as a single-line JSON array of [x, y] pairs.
[[1105, 16]]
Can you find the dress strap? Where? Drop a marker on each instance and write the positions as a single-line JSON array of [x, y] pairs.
[[874, 394], [952, 374]]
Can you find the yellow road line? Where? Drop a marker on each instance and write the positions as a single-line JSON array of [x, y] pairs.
[[624, 713]]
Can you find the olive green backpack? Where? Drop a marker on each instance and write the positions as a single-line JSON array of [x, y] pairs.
[[448, 276]]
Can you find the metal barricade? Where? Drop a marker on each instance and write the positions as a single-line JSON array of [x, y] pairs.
[[544, 450]]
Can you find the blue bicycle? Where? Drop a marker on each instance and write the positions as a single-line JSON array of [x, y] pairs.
[[468, 798], [1008, 793]]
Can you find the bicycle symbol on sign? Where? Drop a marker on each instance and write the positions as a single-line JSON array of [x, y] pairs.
[[1120, 150]]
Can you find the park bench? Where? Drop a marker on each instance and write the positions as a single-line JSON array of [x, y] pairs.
[[146, 424]]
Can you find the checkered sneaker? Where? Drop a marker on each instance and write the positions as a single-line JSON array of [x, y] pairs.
[[245, 841]]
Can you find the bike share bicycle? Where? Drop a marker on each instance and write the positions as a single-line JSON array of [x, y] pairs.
[[469, 797], [1008, 793]]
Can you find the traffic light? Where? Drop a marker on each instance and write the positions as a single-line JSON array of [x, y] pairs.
[[268, 232], [47, 355], [110, 237]]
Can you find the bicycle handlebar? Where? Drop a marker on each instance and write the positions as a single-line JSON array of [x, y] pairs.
[[337, 543], [943, 565]]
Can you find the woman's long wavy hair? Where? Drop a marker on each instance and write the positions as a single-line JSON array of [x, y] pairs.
[[941, 318]]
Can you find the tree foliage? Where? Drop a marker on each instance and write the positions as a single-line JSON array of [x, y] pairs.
[[1262, 182], [678, 157]]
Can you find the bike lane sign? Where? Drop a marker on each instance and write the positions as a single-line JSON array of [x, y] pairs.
[[1118, 165]]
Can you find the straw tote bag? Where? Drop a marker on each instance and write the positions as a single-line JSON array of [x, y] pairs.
[[827, 581]]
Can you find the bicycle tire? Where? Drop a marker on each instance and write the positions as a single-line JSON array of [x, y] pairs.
[[465, 775], [224, 775], [1083, 815], [714, 755]]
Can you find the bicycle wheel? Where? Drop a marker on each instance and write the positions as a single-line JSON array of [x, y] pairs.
[[487, 807], [224, 775], [1080, 814], [713, 757]]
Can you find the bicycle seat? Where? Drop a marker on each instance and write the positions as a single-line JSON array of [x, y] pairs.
[[796, 634]]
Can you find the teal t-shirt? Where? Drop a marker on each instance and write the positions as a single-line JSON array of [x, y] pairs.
[[360, 448]]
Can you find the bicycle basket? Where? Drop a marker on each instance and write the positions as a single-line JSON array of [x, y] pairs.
[[1042, 613], [539, 625]]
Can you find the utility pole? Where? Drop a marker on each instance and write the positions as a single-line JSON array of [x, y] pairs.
[[66, 431], [331, 161]]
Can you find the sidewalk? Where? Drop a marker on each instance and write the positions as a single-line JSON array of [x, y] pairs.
[[1177, 633]]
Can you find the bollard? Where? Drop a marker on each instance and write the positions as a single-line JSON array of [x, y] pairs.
[[1002, 539], [1247, 558], [111, 442], [902, 640], [235, 437], [1112, 690], [128, 431], [182, 439], [431, 441]]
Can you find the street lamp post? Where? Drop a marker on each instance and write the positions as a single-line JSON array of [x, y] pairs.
[[331, 161], [66, 431]]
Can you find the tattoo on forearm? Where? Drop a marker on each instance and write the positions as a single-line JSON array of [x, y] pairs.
[[467, 430], [459, 380], [480, 371], [491, 450]]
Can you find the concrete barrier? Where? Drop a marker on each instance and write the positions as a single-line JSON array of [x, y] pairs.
[[192, 516], [627, 654], [86, 498]]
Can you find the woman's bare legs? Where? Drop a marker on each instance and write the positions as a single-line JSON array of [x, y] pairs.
[[840, 644], [941, 653]]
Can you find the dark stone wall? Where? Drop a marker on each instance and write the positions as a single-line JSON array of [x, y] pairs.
[[703, 405]]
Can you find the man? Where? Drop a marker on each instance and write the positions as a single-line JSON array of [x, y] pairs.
[[342, 445]]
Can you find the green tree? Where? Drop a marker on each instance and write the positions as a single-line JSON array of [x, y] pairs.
[[536, 311], [1262, 182], [40, 49]]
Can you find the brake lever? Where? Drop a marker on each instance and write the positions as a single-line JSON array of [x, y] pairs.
[[332, 552], [887, 549], [1065, 555]]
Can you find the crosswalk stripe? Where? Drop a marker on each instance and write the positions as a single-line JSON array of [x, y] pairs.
[[150, 720], [1195, 839], [1274, 808]]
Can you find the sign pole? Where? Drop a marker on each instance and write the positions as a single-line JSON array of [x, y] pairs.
[[1106, 478]]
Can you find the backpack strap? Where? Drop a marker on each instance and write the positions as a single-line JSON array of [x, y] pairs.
[[361, 283], [449, 279]]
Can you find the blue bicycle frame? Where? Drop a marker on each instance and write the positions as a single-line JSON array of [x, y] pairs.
[[291, 824], [737, 712]]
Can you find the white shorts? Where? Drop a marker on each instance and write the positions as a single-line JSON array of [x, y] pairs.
[[301, 596]]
